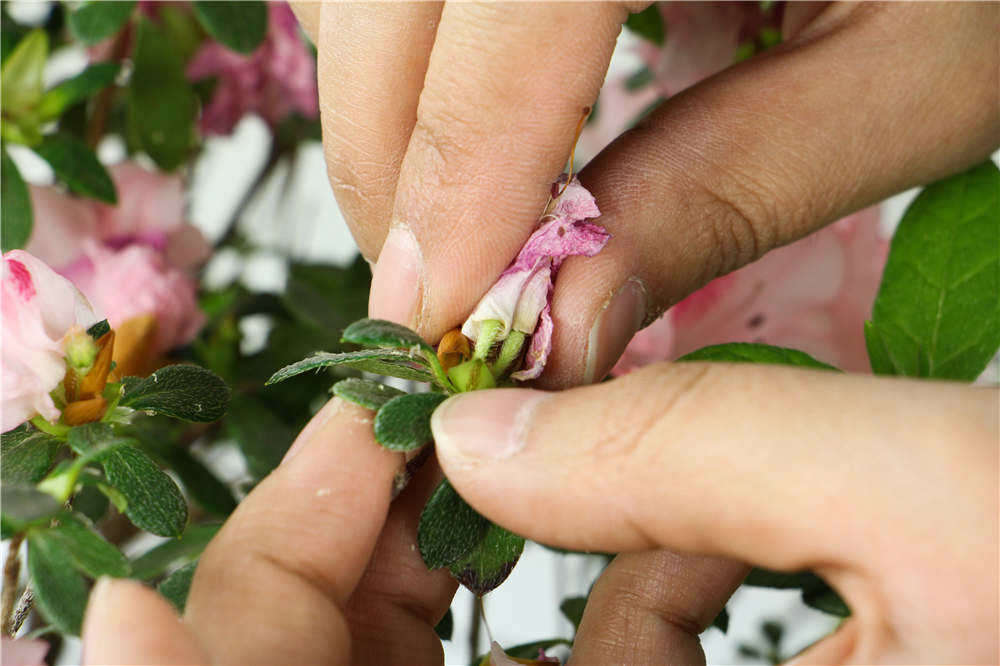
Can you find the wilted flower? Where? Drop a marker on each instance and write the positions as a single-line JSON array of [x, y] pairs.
[[278, 78], [42, 311], [518, 305]]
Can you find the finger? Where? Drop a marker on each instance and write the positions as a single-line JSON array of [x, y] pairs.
[[504, 91], [398, 596], [128, 623], [307, 14], [270, 586], [733, 460], [370, 65], [767, 151], [650, 607]]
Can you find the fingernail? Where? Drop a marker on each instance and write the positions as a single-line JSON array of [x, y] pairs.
[[396, 281], [613, 329], [484, 425], [93, 619]]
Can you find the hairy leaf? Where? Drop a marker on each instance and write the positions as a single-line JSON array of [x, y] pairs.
[[365, 359], [176, 586], [26, 455], [490, 562], [365, 392], [449, 528], [404, 423], [22, 506], [89, 552], [381, 333], [184, 392], [155, 503], [60, 592]]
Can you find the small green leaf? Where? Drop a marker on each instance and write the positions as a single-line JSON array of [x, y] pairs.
[[239, 26], [490, 562], [22, 506], [155, 503], [648, 24], [381, 333], [77, 165], [824, 598], [937, 313], [26, 455], [92, 438], [60, 592], [390, 360], [572, 608], [639, 79], [176, 586], [446, 627], [77, 89], [98, 330], [449, 528], [183, 550], [746, 352], [96, 21], [404, 423], [90, 553], [184, 392], [15, 206], [161, 105], [21, 78], [721, 621], [365, 392]]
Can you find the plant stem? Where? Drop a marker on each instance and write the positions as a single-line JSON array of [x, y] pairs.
[[11, 577], [102, 105], [22, 611], [54, 429], [476, 626]]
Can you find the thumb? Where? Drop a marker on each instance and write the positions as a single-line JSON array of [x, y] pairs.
[[737, 461]]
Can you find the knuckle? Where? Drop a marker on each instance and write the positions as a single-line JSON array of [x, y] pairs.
[[740, 221]]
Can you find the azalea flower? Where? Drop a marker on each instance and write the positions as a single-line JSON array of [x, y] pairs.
[[517, 306]]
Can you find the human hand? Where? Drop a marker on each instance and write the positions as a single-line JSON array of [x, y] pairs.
[[447, 122], [885, 487]]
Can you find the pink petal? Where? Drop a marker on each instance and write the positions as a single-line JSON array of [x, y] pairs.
[[539, 350]]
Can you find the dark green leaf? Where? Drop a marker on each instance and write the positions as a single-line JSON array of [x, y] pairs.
[[186, 549], [721, 621], [96, 21], [747, 352], [92, 438], [22, 80], [937, 313], [155, 503], [572, 608], [640, 79], [780, 580], [161, 105], [445, 627], [175, 587], [824, 598], [184, 392], [648, 24], [76, 164], [365, 392], [98, 330], [77, 89], [15, 206], [22, 506], [202, 485], [240, 26], [91, 502], [261, 434], [26, 455], [490, 562], [404, 423], [381, 333], [773, 631], [60, 592], [449, 528], [89, 552], [327, 297], [12, 33], [400, 369], [391, 359]]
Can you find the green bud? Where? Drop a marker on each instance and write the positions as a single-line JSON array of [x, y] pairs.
[[81, 350], [489, 331], [472, 376]]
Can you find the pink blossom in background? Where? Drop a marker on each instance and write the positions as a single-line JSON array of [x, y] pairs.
[[273, 81], [40, 307], [131, 259], [813, 295]]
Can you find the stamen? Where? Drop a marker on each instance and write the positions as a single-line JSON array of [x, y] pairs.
[[572, 153]]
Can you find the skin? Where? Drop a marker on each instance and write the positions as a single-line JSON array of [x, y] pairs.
[[419, 106]]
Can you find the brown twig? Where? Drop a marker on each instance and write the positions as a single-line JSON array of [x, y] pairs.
[[22, 611], [403, 476], [11, 578]]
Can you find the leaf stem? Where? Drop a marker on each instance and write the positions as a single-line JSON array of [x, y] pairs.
[[54, 429], [11, 576], [509, 352]]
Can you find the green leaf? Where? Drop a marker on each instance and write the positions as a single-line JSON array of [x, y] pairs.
[[185, 392], [15, 206], [327, 297], [96, 21], [176, 586], [155, 503], [77, 165], [26, 455], [449, 528], [22, 506], [781, 580], [721, 621], [824, 598], [446, 627], [161, 105], [381, 333], [937, 313], [239, 26], [262, 435], [365, 392], [746, 352], [572, 608], [183, 550], [89, 552], [90, 500], [91, 439], [201, 484], [392, 361], [525, 650], [77, 89], [60, 592], [648, 24], [404, 423], [21, 78], [97, 331], [639, 79], [490, 562]]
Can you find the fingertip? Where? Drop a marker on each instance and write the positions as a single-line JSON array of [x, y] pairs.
[[397, 279]]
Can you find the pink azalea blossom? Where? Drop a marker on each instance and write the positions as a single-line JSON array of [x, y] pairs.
[[130, 259], [23, 651], [40, 308], [273, 81], [813, 295], [520, 300]]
